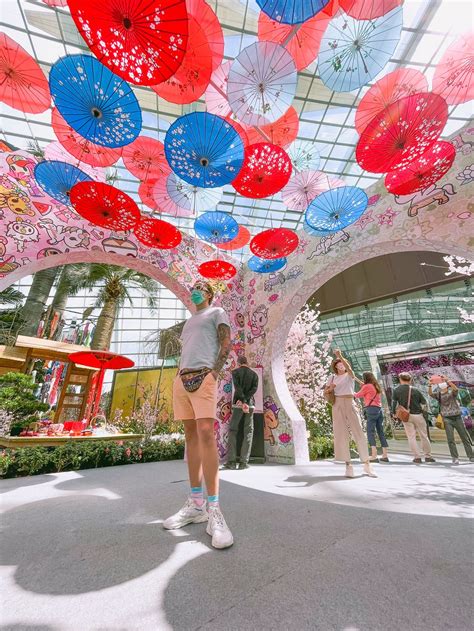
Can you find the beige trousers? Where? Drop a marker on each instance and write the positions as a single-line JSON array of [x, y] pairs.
[[417, 423], [346, 421]]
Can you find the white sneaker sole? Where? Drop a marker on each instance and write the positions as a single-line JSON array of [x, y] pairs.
[[194, 520], [220, 547]]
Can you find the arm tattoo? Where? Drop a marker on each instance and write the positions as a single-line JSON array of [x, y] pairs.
[[223, 335]]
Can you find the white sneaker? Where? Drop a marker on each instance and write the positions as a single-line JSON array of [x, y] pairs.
[[218, 529], [349, 471], [455, 461], [189, 514], [369, 471]]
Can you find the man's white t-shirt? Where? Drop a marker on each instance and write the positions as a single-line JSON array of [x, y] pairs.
[[200, 344]]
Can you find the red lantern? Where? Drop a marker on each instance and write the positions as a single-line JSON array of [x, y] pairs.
[[157, 233], [274, 243], [104, 205], [217, 269], [265, 171]]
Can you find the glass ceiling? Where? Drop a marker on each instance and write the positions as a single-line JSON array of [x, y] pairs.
[[326, 117]]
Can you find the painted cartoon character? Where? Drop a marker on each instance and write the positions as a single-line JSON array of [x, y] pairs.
[[71, 236], [426, 197], [270, 419], [8, 264], [327, 243], [47, 252], [13, 198], [225, 409], [22, 231], [119, 246], [257, 323], [462, 146], [239, 320], [294, 272], [273, 280], [22, 169]]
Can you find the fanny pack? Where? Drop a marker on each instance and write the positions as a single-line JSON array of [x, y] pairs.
[[193, 379]]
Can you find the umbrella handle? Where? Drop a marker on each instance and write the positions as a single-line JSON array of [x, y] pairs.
[[97, 392]]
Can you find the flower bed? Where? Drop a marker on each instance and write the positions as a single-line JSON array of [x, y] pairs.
[[72, 456]]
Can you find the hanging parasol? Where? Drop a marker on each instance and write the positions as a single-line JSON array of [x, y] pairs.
[[368, 9], [454, 75], [23, 84], [353, 51], [302, 41], [55, 151], [216, 92], [103, 360], [98, 105], [261, 83], [313, 232], [305, 186], [291, 11], [104, 205], [164, 202], [241, 240], [422, 172], [304, 156], [191, 79], [157, 233], [274, 243], [390, 88], [204, 150], [145, 158], [82, 149], [402, 132], [145, 193], [265, 171], [209, 22], [57, 179], [240, 129], [223, 270], [337, 208], [265, 266], [282, 132], [190, 197], [216, 227], [141, 41]]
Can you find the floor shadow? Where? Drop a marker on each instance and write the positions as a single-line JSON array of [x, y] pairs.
[[309, 480]]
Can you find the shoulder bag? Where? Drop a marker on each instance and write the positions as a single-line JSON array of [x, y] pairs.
[[439, 423], [329, 393], [364, 411], [403, 413]]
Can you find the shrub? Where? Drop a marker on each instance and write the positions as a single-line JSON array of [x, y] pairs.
[[17, 397], [321, 447]]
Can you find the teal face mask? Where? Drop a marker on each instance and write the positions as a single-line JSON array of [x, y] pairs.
[[197, 297]]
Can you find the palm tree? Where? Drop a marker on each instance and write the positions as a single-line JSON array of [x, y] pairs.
[[36, 300], [70, 282], [10, 321], [115, 283], [417, 327]]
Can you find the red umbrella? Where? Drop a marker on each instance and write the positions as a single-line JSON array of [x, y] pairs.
[[141, 41], [145, 158], [157, 233], [402, 132], [217, 269], [240, 129], [191, 79], [145, 192], [23, 84], [104, 205], [210, 24], [282, 132], [387, 90], [274, 243], [454, 75], [368, 9], [301, 40], [242, 238], [79, 147], [103, 360], [265, 171], [422, 172]]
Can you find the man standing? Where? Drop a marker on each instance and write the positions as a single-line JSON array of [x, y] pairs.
[[206, 345], [412, 399], [245, 386]]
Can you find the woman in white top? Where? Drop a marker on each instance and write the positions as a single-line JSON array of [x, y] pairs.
[[345, 416]]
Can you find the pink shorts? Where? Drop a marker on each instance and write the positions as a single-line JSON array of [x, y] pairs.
[[195, 405]]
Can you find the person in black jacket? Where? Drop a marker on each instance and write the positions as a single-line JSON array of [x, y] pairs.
[[245, 386], [416, 422]]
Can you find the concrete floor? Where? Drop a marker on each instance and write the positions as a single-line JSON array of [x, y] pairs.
[[86, 551]]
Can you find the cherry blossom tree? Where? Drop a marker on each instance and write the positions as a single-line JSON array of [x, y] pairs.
[[307, 364]]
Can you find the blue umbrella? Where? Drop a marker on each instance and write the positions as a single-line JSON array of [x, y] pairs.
[[265, 266], [291, 11], [96, 103], [57, 178], [313, 232], [216, 227], [353, 51], [335, 209], [204, 150]]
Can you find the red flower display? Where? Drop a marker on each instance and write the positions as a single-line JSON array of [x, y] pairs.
[[23, 84], [402, 132], [282, 132], [368, 9], [217, 269], [145, 158], [422, 172], [265, 171], [104, 205], [454, 75], [274, 243], [157, 233], [142, 41], [390, 88], [241, 240]]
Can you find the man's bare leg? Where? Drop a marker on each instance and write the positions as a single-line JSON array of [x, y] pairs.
[[193, 453], [209, 455]]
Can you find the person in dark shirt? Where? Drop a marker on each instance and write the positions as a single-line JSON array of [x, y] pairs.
[[245, 386], [416, 422]]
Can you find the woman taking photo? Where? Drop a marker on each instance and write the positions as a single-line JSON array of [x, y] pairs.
[[371, 392], [345, 418]]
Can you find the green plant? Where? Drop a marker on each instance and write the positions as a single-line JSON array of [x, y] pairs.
[[17, 397], [320, 447]]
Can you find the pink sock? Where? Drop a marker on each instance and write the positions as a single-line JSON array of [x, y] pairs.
[[197, 496]]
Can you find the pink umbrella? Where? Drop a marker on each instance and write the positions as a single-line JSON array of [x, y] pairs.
[[164, 202], [145, 158], [216, 93], [55, 151], [304, 187], [192, 198], [454, 75]]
